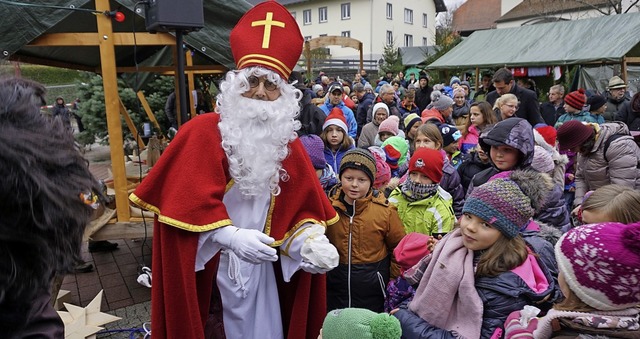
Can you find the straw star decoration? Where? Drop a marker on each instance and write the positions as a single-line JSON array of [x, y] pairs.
[[80, 323]]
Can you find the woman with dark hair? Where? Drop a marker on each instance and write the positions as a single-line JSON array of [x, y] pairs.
[[607, 154], [46, 193]]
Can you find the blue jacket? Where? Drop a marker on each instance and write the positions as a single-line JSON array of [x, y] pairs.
[[348, 114], [333, 159]]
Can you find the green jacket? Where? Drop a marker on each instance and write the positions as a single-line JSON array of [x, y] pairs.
[[427, 216]]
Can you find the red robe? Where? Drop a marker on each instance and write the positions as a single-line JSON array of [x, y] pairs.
[[185, 189]]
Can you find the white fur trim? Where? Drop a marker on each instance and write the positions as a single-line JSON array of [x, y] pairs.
[[336, 122]]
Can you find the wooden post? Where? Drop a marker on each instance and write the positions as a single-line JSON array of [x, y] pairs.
[[361, 57], [191, 82], [132, 127], [623, 70], [477, 84], [111, 103]]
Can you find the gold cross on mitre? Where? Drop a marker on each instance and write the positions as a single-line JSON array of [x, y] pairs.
[[267, 23]]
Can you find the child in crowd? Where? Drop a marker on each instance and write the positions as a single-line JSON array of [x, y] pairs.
[[450, 137], [358, 323], [411, 124], [554, 215], [407, 105], [369, 135], [505, 106], [610, 203], [439, 110], [546, 136], [597, 105], [397, 152], [383, 172], [460, 108], [574, 107], [336, 140], [429, 136], [480, 116], [599, 267], [387, 129], [480, 273], [365, 236], [315, 148], [413, 247], [423, 206]]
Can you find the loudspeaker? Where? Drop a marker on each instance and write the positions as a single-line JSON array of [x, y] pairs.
[[170, 15]]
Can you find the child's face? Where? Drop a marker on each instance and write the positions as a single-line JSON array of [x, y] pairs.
[[476, 116], [355, 184], [477, 235], [422, 141], [414, 130], [385, 135], [451, 148], [335, 135], [569, 109], [459, 99], [420, 178], [594, 216], [504, 157], [509, 108]]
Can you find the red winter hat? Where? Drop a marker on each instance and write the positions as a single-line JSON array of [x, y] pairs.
[[428, 162], [336, 117], [267, 36], [576, 99], [574, 133], [411, 249], [549, 134]]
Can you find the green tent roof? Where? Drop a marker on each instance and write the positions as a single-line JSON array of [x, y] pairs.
[[604, 39]]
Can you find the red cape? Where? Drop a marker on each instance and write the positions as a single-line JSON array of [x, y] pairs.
[[185, 189]]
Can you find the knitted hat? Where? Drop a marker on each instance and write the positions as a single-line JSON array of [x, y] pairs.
[[316, 88], [396, 149], [359, 159], [423, 76], [336, 117], [616, 82], [360, 323], [542, 160], [440, 101], [410, 120], [378, 106], [315, 148], [596, 101], [390, 125], [411, 249], [358, 87], [509, 202], [548, 133], [383, 171], [576, 99], [428, 162], [450, 134], [574, 133], [601, 264], [367, 86], [454, 80]]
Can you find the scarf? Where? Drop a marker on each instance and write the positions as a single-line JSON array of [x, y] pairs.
[[414, 191], [446, 296], [328, 178], [616, 321]]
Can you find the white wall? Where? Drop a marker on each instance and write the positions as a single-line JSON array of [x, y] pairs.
[[368, 23]]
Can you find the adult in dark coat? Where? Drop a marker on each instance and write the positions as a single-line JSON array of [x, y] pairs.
[[554, 108], [630, 113], [423, 92], [528, 108], [366, 101], [311, 117]]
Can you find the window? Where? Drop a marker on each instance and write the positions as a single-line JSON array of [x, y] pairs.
[[389, 38], [322, 14], [408, 16], [307, 38], [424, 19], [425, 42], [293, 14], [389, 11], [408, 40], [345, 9], [346, 34], [306, 17]]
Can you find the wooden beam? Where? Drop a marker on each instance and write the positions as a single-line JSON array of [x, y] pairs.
[[333, 40], [93, 39], [111, 102], [132, 127], [196, 69], [191, 82], [147, 109]]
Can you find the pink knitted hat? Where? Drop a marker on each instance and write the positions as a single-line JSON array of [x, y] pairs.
[[601, 264], [390, 125]]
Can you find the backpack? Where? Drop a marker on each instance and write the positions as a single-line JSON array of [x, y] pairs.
[[614, 137]]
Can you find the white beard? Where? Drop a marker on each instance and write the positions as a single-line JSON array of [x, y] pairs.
[[256, 133]]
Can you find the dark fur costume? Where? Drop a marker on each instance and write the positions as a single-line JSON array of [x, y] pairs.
[[42, 217]]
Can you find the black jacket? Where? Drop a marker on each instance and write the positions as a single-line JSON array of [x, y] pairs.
[[423, 97], [549, 113], [528, 109], [311, 116]]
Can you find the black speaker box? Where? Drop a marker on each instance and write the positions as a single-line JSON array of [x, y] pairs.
[[171, 15]]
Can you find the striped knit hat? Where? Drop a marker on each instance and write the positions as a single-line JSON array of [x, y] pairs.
[[509, 201], [359, 159], [576, 99]]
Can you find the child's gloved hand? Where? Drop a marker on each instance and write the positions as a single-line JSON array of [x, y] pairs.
[[514, 329]]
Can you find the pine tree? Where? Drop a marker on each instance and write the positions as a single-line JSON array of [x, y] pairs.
[[392, 60]]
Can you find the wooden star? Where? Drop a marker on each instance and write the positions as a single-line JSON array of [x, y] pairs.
[[80, 323]]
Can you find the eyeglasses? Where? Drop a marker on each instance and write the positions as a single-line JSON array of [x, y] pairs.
[[254, 81]]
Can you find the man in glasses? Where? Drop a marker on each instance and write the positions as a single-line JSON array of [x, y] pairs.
[[239, 234], [616, 96]]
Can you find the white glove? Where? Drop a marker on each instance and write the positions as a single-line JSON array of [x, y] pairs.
[[248, 245], [318, 251], [313, 269]]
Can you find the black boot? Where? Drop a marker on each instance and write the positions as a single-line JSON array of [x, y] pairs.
[[102, 246]]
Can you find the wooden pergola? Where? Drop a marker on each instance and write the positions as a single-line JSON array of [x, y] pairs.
[[108, 42]]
